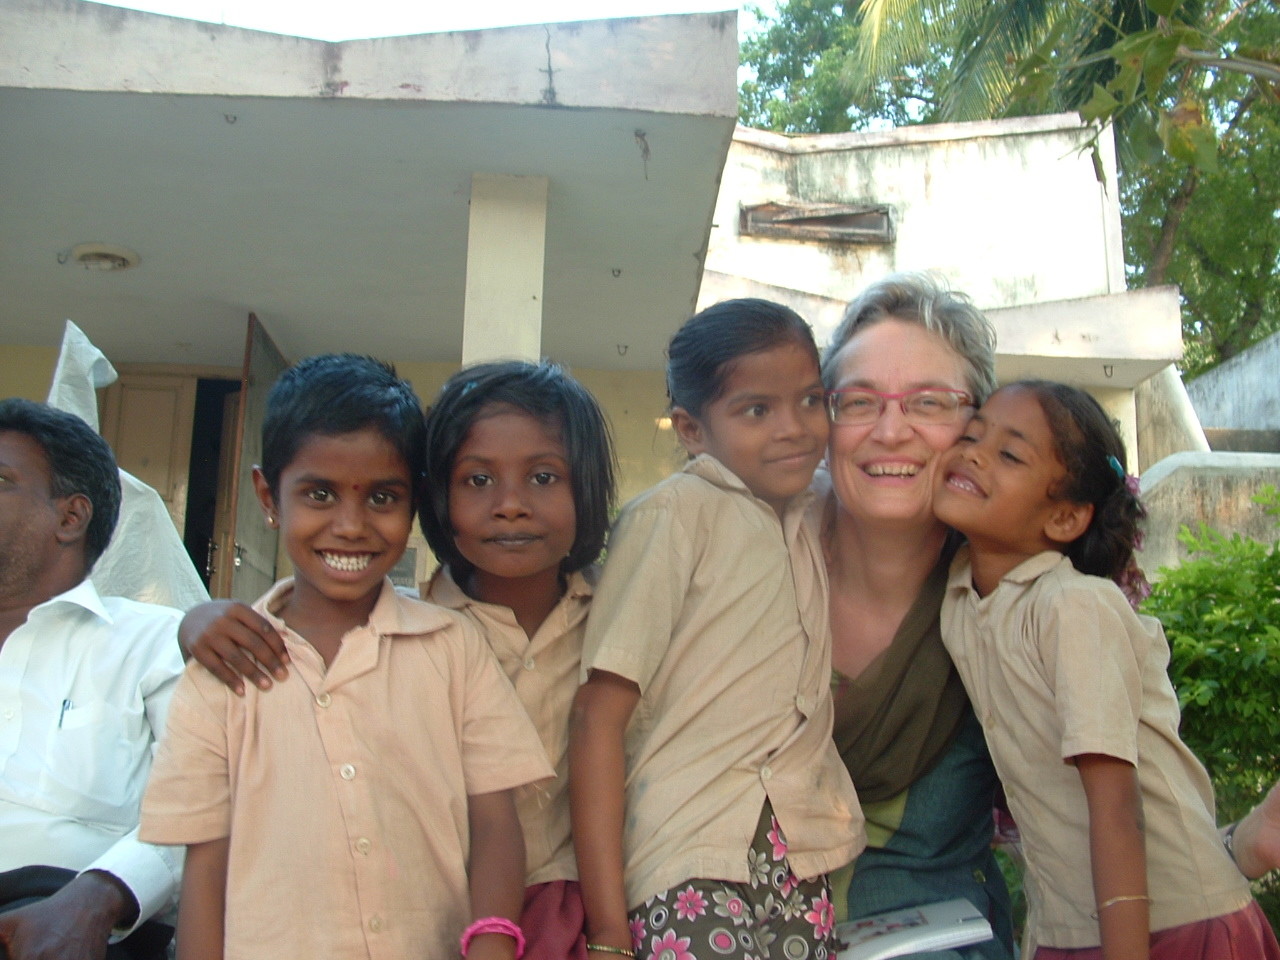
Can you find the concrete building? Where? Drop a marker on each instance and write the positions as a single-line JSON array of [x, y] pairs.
[[567, 190], [1239, 401], [529, 191], [1239, 404], [1013, 212]]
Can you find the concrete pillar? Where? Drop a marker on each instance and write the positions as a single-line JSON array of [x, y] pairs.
[[1167, 422], [506, 248], [1118, 402]]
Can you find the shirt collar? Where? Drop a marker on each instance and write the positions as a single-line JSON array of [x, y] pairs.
[[84, 595], [1029, 570], [392, 614], [716, 473], [444, 590], [1035, 567]]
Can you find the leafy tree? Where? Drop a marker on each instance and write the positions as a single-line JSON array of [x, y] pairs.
[[958, 59], [1212, 225], [801, 67], [1221, 613], [1192, 87], [1215, 233]]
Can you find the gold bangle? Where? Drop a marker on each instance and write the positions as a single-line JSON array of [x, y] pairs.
[[1125, 898], [620, 951]]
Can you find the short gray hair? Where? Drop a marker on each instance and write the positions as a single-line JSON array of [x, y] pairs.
[[924, 299]]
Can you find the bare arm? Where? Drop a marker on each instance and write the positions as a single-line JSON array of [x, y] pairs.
[[1118, 853], [233, 641], [73, 924], [496, 871], [597, 798], [202, 908], [1256, 838]]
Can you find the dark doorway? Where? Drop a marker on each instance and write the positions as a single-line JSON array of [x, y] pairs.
[[202, 481]]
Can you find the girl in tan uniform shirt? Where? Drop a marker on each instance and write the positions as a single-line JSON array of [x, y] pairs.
[[708, 800], [519, 482], [1123, 858]]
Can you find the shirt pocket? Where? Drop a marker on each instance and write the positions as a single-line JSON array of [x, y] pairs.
[[96, 763]]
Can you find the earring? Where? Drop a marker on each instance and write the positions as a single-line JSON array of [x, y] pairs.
[[271, 520]]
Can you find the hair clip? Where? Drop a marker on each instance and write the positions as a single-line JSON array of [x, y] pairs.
[[1115, 465], [467, 388]]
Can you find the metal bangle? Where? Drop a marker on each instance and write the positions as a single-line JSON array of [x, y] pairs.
[[1229, 841], [620, 951], [1123, 898]]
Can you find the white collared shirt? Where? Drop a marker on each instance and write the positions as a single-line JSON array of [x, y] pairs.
[[84, 690]]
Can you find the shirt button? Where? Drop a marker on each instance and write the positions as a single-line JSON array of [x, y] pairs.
[[528, 663], [364, 845], [375, 923], [347, 771], [766, 773], [8, 714], [802, 702], [324, 700]]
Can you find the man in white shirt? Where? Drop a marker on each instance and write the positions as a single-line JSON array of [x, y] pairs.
[[85, 683]]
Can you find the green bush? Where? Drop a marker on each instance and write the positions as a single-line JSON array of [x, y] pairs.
[[1221, 612]]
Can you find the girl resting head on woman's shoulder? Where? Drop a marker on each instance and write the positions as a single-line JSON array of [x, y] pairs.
[[1041, 467]]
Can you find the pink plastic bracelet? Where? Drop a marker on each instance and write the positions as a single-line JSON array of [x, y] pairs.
[[493, 925]]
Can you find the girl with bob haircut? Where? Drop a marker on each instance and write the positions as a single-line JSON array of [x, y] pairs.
[[519, 483]]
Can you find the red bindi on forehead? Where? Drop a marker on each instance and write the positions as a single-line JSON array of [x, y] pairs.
[[356, 487]]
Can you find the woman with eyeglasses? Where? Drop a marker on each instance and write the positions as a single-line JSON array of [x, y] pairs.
[[905, 370]]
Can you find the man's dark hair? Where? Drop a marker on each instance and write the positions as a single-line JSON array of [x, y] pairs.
[[80, 461]]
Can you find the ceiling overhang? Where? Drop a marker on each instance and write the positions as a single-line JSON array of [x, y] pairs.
[[326, 186]]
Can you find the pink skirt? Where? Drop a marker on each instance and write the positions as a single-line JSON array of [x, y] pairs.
[[552, 921], [1243, 935]]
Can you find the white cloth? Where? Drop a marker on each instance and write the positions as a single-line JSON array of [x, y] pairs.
[[146, 559], [85, 685]]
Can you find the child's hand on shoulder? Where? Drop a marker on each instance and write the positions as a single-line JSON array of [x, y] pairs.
[[232, 641]]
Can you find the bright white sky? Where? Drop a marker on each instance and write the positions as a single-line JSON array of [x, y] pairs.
[[358, 19]]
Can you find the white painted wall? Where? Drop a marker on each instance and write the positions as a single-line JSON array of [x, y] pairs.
[[506, 259], [1244, 392], [1012, 212], [1009, 211]]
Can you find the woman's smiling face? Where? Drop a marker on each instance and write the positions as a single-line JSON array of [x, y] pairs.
[[883, 471]]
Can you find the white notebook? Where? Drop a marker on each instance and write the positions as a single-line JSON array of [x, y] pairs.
[[934, 926]]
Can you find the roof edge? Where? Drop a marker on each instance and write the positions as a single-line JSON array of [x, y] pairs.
[[679, 64], [808, 143]]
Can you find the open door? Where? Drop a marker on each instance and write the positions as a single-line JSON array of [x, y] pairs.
[[252, 544]]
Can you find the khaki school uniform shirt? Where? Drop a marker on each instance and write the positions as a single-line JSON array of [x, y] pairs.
[[544, 672], [718, 612], [1058, 664], [344, 792]]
